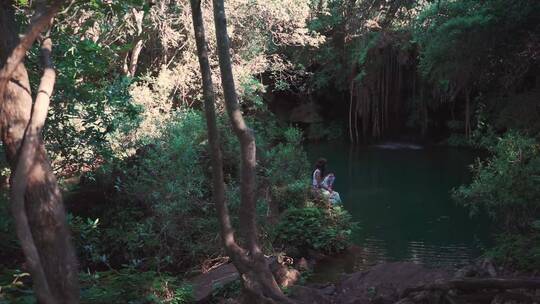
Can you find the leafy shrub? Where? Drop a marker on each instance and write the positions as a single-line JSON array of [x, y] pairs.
[[451, 34], [521, 251], [87, 239], [91, 107], [161, 214], [130, 237], [15, 287], [286, 170], [122, 286], [129, 286], [327, 231], [507, 184], [292, 195], [457, 137], [170, 177]]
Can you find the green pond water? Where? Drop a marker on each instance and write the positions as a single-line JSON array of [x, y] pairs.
[[400, 196]]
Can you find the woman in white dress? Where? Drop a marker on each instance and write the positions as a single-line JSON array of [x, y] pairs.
[[324, 184]]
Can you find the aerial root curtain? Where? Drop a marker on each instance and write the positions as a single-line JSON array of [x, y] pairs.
[[377, 90]]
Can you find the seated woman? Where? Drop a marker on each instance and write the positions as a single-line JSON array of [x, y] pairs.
[[323, 185], [327, 189]]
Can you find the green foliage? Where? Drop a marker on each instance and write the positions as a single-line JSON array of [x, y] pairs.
[[87, 239], [129, 238], [118, 7], [251, 92], [461, 40], [515, 112], [506, 184], [327, 231], [285, 169], [178, 150], [439, 37], [91, 103], [520, 251], [166, 188], [227, 291], [159, 213], [361, 51], [122, 286], [291, 195], [129, 286], [171, 183]]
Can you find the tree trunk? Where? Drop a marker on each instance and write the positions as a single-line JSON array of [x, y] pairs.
[[243, 133], [35, 196], [131, 69], [259, 283], [227, 232]]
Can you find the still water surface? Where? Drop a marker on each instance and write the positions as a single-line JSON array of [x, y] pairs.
[[400, 195]]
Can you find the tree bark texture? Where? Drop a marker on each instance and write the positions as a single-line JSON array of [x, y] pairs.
[[243, 132], [227, 232], [34, 193]]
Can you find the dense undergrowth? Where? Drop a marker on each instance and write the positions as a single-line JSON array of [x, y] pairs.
[[154, 222], [104, 287], [165, 189]]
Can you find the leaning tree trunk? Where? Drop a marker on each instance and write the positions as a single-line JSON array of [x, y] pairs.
[[259, 283], [35, 197], [227, 232]]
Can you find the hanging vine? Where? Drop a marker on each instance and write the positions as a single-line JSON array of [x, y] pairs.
[[376, 92]]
